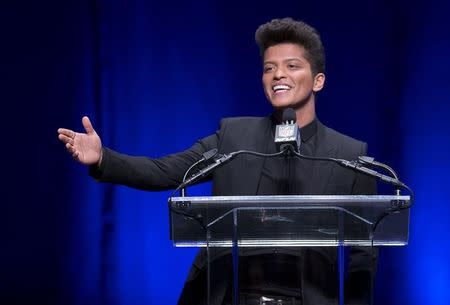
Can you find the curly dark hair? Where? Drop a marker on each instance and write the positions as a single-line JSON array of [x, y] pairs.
[[289, 30]]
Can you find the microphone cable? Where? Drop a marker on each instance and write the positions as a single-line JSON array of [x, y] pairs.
[[209, 154]]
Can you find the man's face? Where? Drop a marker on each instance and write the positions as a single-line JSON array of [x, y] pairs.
[[287, 77]]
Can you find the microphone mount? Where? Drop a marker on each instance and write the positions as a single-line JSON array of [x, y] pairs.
[[217, 162], [358, 166]]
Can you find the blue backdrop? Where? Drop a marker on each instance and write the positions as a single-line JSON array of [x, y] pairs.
[[156, 76]]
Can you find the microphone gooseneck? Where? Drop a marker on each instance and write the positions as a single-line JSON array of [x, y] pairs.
[[287, 139], [205, 157], [358, 167]]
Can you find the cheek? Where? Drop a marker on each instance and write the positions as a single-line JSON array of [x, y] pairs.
[[267, 93], [304, 82], [266, 85]]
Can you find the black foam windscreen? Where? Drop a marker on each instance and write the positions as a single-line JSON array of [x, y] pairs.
[[289, 115]]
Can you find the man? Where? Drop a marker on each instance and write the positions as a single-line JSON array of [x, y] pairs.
[[293, 74]]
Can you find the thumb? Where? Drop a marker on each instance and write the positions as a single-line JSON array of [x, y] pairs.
[[87, 125]]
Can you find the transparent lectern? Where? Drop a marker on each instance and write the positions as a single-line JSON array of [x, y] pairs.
[[242, 234]]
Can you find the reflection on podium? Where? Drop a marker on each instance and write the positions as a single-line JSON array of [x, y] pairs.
[[248, 241]]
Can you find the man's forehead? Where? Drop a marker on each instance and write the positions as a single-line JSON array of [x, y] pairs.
[[285, 47], [284, 52]]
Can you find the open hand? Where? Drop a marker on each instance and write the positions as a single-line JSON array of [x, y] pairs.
[[86, 148]]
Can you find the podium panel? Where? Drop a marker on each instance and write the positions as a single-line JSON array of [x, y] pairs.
[[270, 220], [287, 246]]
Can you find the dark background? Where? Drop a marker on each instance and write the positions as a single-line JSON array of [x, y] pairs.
[[156, 75]]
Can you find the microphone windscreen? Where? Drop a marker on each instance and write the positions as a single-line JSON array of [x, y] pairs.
[[289, 115], [209, 154]]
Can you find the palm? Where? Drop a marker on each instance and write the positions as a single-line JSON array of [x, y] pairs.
[[84, 147], [88, 147]]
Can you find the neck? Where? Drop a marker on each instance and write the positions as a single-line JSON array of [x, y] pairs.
[[305, 114]]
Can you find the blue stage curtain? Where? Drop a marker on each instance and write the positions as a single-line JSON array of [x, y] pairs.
[[156, 76]]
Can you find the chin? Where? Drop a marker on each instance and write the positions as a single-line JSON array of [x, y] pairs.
[[282, 104]]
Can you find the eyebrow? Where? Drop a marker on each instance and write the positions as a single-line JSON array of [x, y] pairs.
[[286, 60]]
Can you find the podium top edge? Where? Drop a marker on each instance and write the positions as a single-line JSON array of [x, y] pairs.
[[294, 198]]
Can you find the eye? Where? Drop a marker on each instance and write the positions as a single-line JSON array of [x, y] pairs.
[[268, 69], [293, 67]]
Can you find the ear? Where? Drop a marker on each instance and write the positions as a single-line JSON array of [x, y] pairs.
[[319, 82]]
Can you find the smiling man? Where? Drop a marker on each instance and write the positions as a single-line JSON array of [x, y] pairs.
[[293, 72], [289, 81], [293, 66]]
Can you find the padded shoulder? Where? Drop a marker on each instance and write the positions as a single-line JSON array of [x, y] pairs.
[[348, 147]]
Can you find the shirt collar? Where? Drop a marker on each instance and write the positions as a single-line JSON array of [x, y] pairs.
[[308, 131]]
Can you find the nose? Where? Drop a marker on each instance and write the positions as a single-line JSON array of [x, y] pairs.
[[279, 73]]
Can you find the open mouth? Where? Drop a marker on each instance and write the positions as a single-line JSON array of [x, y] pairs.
[[280, 88]]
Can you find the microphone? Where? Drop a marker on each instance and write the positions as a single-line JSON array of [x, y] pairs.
[[209, 154], [370, 172], [287, 135], [218, 160], [371, 161], [358, 167], [203, 172], [206, 157]]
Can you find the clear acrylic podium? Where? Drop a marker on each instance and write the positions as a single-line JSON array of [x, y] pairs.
[[243, 229]]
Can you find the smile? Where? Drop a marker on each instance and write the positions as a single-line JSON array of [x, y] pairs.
[[280, 88]]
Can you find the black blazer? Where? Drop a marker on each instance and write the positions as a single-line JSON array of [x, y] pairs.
[[255, 133]]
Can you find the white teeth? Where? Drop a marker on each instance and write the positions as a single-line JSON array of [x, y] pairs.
[[280, 87]]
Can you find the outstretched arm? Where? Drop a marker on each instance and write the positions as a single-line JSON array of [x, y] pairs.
[[106, 165], [86, 148]]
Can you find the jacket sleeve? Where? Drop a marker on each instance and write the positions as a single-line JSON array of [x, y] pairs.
[[150, 173]]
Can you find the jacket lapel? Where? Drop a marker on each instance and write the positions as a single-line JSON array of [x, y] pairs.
[[322, 170], [253, 165]]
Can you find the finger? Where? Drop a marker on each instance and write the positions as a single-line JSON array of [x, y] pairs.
[[75, 155], [65, 139], [70, 148], [87, 125], [67, 132]]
